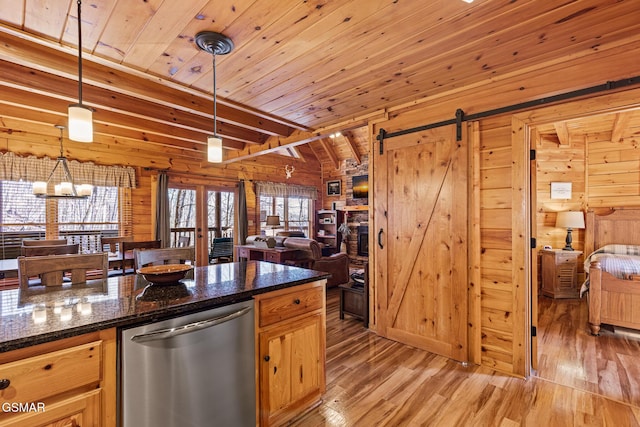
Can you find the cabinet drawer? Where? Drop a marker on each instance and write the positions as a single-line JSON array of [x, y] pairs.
[[272, 257], [39, 377], [285, 306], [243, 253]]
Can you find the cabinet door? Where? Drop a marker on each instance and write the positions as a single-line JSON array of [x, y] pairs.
[[566, 272], [291, 369], [81, 410]]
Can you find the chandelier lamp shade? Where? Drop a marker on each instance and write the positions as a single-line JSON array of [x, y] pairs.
[[215, 44], [80, 116], [61, 181]]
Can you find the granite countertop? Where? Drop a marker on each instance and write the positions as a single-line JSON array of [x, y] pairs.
[[41, 314]]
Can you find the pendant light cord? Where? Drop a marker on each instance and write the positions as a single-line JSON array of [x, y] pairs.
[[61, 150], [79, 53], [215, 125]]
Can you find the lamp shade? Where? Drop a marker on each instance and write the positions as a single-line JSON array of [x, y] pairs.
[[80, 123], [214, 149], [570, 219], [273, 220]]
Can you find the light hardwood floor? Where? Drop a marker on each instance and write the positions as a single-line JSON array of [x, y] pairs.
[[372, 381], [608, 365]]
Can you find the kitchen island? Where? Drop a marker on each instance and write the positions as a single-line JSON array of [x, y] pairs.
[[69, 334]]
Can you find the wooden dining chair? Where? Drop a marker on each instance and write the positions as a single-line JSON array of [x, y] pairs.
[[52, 268], [32, 251], [44, 242], [127, 248], [183, 241], [114, 244], [145, 257]]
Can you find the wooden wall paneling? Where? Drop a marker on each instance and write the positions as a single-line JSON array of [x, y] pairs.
[[141, 208], [520, 224], [495, 154], [474, 247]]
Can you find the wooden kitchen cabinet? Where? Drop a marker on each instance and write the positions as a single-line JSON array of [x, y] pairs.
[[291, 346], [560, 273], [68, 382]]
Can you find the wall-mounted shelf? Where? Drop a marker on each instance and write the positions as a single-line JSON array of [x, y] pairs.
[[355, 208]]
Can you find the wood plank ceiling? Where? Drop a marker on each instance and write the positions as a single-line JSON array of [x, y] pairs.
[[300, 70]]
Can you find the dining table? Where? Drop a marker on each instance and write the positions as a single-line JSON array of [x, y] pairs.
[[9, 267]]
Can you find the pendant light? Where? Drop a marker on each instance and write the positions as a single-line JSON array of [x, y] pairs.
[[215, 44], [62, 182], [80, 117]]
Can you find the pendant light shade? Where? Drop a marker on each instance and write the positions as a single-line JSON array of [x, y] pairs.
[[80, 117], [214, 149], [80, 123], [215, 44]]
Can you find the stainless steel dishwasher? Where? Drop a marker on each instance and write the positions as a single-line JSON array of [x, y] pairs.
[[195, 370]]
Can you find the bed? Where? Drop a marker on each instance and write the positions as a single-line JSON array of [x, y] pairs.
[[612, 300]]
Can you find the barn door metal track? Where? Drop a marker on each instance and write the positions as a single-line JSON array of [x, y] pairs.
[[460, 116]]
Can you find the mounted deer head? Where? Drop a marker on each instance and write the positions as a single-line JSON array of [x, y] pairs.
[[289, 170]]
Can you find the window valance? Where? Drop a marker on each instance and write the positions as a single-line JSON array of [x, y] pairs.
[[278, 189], [16, 168]]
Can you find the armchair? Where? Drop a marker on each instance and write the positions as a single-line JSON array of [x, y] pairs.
[[310, 256]]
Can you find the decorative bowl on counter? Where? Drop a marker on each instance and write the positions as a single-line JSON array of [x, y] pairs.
[[168, 274]]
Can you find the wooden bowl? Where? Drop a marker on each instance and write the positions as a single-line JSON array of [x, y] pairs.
[[167, 274]]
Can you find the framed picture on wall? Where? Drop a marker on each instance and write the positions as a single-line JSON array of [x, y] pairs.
[[333, 188]]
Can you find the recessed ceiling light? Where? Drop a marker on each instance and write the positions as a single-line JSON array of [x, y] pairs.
[[468, 1]]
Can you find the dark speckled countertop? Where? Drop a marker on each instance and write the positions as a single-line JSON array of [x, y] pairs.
[[46, 314]]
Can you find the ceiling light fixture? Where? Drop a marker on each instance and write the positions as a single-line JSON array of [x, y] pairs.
[[62, 182], [80, 117], [215, 44]]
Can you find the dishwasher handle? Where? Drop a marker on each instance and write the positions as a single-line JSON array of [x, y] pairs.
[[188, 328]]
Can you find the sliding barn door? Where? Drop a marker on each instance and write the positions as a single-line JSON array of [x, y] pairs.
[[421, 247]]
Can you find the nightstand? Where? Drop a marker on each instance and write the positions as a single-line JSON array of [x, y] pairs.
[[560, 273]]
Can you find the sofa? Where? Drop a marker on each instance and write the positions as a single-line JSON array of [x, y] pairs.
[[310, 256]]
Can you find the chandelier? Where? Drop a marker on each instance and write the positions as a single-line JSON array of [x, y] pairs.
[[80, 116], [215, 44], [61, 181]]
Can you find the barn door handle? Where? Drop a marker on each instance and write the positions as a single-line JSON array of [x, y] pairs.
[[380, 239]]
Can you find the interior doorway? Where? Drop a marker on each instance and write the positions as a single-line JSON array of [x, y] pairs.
[[596, 154]]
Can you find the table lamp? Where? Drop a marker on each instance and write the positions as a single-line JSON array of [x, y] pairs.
[[569, 220], [273, 221]]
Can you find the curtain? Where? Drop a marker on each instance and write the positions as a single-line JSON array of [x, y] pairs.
[[277, 189], [243, 225], [163, 226], [16, 168]]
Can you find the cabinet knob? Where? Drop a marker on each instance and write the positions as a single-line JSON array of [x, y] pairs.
[[4, 383], [267, 358], [296, 301]]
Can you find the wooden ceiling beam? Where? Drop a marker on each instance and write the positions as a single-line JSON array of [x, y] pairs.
[[351, 144], [38, 54], [43, 108], [326, 145], [563, 133], [299, 137], [620, 125]]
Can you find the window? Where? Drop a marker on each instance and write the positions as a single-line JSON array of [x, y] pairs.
[[81, 221], [182, 207], [294, 213], [182, 214], [221, 212]]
